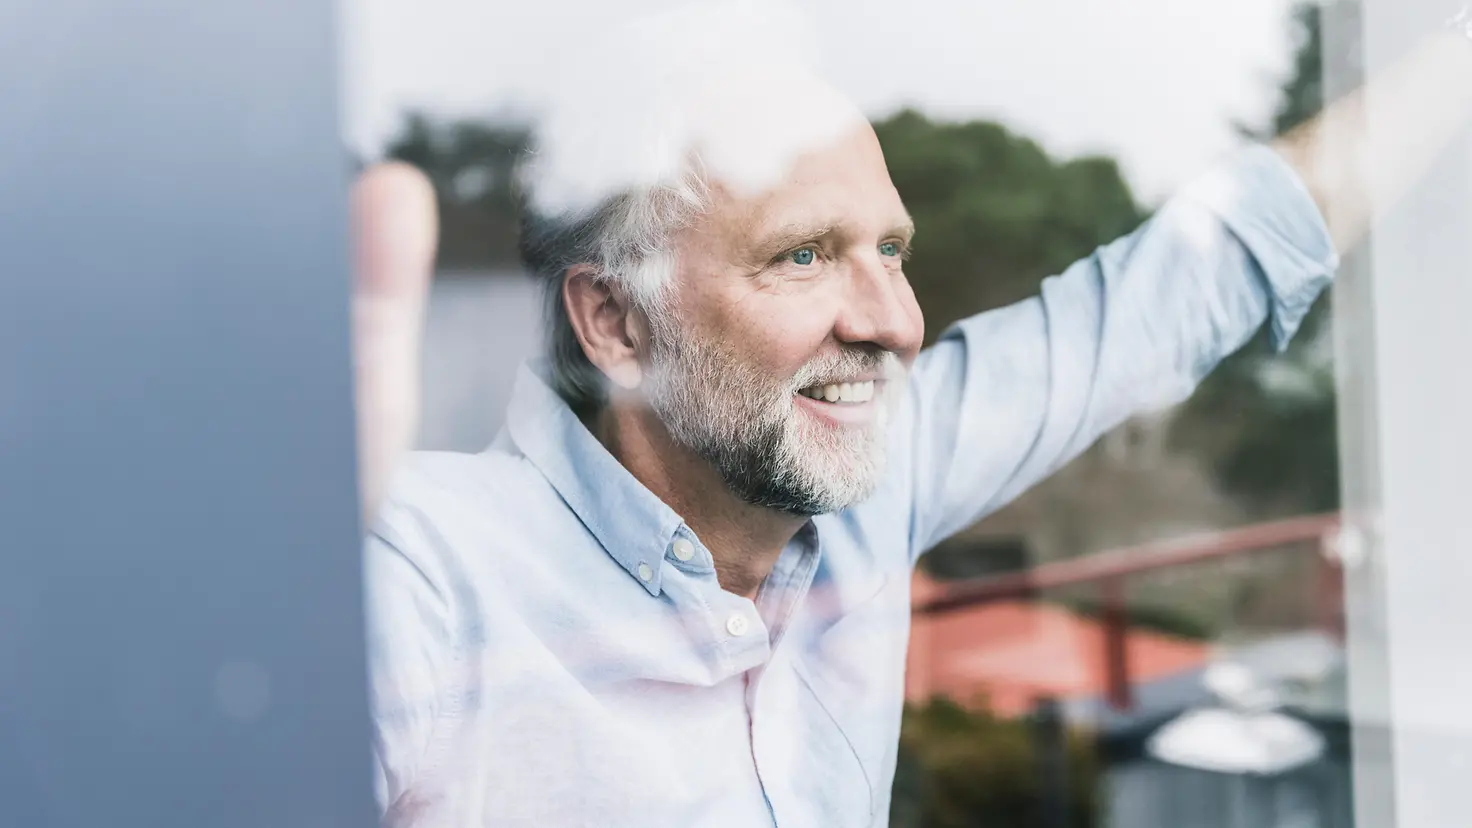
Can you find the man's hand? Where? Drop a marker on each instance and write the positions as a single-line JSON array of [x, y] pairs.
[[395, 230], [1365, 151]]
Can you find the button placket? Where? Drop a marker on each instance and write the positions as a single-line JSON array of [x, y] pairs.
[[789, 582], [739, 627], [738, 630]]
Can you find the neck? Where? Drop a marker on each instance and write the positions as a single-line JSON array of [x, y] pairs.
[[744, 540]]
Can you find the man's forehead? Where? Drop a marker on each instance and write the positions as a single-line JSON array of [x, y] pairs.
[[805, 210], [762, 125], [798, 226], [843, 188]]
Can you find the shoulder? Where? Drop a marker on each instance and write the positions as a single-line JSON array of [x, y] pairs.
[[431, 479], [436, 488], [455, 517]]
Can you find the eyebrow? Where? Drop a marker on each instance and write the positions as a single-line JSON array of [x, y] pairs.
[[788, 236]]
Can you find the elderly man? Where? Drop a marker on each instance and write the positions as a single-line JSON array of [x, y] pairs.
[[675, 590]]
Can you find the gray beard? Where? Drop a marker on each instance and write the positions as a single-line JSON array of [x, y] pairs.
[[745, 425]]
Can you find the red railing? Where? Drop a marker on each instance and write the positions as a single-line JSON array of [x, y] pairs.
[[1110, 571]]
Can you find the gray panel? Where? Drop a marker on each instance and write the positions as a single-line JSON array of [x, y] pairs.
[[1404, 318], [180, 586]]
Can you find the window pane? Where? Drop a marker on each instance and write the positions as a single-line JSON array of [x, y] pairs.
[[1190, 620]]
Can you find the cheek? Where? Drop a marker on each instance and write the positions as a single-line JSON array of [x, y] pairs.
[[783, 337], [774, 332]]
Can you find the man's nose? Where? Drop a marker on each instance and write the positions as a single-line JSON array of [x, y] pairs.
[[880, 309]]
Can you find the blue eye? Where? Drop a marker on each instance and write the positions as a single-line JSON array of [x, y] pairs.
[[805, 256], [889, 249]]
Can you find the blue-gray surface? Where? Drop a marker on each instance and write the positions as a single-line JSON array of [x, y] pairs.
[[180, 597]]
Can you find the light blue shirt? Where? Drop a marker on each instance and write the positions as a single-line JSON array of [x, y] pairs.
[[550, 646]]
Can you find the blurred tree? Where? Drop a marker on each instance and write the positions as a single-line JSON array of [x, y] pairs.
[[995, 213], [470, 163], [1266, 422]]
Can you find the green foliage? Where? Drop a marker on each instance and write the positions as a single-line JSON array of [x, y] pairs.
[[995, 213], [1303, 95], [959, 769]]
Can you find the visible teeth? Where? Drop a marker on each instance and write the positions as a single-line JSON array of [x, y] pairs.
[[845, 392]]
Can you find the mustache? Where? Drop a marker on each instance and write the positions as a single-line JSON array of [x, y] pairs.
[[847, 364]]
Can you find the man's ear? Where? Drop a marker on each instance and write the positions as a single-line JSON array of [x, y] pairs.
[[606, 325]]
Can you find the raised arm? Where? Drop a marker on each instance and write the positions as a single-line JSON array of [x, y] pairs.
[[1006, 397]]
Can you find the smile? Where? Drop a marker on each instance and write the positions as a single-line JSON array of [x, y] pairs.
[[841, 392]]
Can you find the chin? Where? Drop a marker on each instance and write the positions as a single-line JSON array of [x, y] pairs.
[[836, 495]]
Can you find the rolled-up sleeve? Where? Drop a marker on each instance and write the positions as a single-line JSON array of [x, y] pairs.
[[1006, 397]]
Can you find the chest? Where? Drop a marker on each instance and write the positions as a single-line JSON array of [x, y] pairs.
[[629, 737]]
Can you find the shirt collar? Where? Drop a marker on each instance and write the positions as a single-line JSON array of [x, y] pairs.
[[634, 526]]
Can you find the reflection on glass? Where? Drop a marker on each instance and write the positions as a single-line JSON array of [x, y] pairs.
[[685, 582]]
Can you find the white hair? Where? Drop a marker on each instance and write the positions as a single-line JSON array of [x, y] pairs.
[[627, 240], [642, 123]]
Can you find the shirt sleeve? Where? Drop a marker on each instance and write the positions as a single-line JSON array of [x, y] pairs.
[[409, 653], [1006, 397]]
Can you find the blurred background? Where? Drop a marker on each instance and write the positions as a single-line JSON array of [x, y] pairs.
[[1154, 636]]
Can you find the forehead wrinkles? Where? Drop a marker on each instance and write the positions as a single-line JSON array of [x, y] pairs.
[[802, 180], [843, 189]]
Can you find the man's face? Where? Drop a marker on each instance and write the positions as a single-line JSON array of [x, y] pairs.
[[781, 353]]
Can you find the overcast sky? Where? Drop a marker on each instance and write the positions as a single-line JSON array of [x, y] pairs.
[[1155, 83]]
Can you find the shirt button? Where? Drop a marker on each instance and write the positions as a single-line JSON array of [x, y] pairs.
[[645, 573], [737, 625], [684, 550]]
